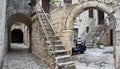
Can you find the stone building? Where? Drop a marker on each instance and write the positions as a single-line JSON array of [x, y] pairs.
[[48, 30], [2, 30]]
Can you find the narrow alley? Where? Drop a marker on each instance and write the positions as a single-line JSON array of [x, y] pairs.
[[45, 34], [20, 58]]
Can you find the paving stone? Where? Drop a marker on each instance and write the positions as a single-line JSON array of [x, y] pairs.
[[20, 58], [95, 59]]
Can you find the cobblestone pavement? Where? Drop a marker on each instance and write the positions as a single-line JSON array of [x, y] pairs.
[[20, 58], [95, 59]]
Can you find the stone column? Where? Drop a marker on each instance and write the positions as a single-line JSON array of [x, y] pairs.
[[67, 38], [8, 39], [117, 50], [30, 39]]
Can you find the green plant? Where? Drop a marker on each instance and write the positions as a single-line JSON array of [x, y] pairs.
[[110, 3], [54, 1], [99, 43], [28, 1]]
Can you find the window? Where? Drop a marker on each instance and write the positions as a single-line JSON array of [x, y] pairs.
[[91, 13], [87, 29], [75, 33], [100, 17]]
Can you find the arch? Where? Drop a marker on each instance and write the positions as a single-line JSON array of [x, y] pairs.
[[69, 23], [13, 19], [16, 36], [18, 17], [84, 6]]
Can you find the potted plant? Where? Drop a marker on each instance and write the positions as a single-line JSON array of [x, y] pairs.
[[100, 45]]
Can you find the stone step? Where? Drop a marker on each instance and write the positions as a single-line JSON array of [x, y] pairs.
[[63, 58], [56, 42], [46, 24], [71, 66], [59, 47], [50, 33], [48, 27], [60, 52], [67, 66], [54, 37], [65, 63]]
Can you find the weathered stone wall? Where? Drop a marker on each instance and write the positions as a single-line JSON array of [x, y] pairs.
[[26, 36], [2, 30], [39, 46], [59, 16], [17, 6]]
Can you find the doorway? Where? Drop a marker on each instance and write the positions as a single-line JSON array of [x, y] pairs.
[[46, 5], [111, 37], [16, 36]]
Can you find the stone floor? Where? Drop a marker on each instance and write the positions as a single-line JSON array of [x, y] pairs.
[[95, 58], [20, 58]]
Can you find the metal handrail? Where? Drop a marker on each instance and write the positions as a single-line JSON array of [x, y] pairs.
[[47, 36], [47, 18], [43, 27]]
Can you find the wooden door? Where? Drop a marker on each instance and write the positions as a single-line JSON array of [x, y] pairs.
[[46, 5]]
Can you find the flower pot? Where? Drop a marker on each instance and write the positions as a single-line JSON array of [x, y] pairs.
[[101, 46]]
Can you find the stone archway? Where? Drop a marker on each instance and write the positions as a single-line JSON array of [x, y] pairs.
[[69, 24], [84, 6], [13, 19]]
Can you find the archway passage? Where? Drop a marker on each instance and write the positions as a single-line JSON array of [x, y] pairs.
[[16, 36], [14, 19]]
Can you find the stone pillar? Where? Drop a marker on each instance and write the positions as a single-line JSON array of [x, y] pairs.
[[30, 39], [67, 38], [8, 39], [117, 50]]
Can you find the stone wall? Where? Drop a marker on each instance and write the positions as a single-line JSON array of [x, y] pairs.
[[39, 46], [59, 16], [2, 30], [17, 6]]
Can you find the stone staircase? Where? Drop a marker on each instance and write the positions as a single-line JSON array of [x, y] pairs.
[[63, 60], [97, 32], [88, 37]]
